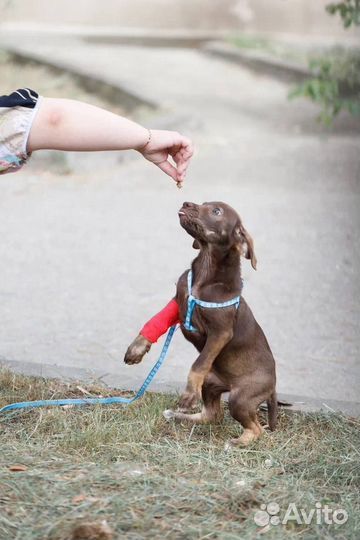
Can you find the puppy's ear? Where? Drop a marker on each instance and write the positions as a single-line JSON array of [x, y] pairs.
[[196, 244], [250, 253], [245, 238]]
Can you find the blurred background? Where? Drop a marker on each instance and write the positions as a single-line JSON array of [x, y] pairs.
[[90, 243], [298, 17]]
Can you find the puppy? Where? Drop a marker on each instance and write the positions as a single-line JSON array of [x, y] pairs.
[[234, 355]]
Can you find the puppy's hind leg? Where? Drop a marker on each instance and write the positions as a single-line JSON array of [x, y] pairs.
[[211, 410], [243, 409], [196, 418]]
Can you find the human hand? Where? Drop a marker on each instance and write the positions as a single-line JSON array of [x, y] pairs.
[[165, 144]]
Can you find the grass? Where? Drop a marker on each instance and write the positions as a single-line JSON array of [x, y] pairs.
[[150, 479]]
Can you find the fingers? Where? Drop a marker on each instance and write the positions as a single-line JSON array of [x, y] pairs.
[[182, 162], [169, 169], [184, 147], [182, 155], [186, 152], [165, 144]]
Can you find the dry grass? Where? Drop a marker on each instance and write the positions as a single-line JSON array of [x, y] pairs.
[[146, 478]]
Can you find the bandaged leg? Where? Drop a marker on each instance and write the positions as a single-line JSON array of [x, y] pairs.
[[151, 331]]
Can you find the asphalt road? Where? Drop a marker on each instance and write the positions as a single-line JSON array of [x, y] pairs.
[[87, 257]]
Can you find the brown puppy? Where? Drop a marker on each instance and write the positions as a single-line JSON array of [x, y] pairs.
[[234, 354]]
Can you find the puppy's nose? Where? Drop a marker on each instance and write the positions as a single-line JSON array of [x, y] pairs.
[[188, 204]]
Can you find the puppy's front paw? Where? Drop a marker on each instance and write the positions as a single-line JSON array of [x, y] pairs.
[[138, 348], [188, 401]]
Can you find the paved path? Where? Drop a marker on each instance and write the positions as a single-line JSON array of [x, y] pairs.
[[87, 257]]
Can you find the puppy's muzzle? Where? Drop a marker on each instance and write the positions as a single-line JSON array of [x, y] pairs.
[[188, 212]]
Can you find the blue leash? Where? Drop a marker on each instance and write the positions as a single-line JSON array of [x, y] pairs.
[[192, 302], [101, 401]]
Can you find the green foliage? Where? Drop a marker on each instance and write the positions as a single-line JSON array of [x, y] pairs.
[[334, 84], [335, 78], [349, 11], [245, 41]]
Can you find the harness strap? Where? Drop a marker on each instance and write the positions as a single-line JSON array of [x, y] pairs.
[[100, 401], [192, 302]]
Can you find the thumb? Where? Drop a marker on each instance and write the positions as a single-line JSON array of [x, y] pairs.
[[169, 169]]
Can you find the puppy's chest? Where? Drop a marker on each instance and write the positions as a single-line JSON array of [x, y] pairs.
[[197, 319], [199, 336]]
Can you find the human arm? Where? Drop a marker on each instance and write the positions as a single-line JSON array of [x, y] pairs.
[[64, 124]]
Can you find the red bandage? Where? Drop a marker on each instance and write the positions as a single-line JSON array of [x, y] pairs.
[[161, 322]]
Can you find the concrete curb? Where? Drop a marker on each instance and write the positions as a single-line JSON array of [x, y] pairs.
[[259, 62], [154, 38], [115, 93], [100, 85], [210, 43], [304, 404]]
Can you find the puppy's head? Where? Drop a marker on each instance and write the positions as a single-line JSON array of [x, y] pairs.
[[216, 223]]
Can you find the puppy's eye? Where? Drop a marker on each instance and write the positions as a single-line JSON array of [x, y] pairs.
[[217, 211]]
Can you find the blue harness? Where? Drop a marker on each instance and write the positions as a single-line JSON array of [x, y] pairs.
[[192, 302]]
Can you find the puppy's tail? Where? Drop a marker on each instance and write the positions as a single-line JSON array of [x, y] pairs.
[[272, 405]]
